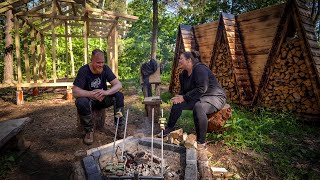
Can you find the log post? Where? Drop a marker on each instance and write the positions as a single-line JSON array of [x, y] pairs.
[[33, 54], [43, 60], [17, 41], [19, 97], [67, 56], [113, 50], [53, 38], [86, 32], [26, 51], [69, 94]]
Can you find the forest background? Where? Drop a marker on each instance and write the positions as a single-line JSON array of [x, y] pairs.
[[135, 45]]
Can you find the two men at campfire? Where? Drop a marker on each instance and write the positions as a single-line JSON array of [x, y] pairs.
[[199, 91]]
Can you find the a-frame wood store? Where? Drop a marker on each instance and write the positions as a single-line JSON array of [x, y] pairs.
[[268, 57]]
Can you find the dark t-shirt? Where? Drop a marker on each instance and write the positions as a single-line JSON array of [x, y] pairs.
[[202, 85], [86, 80]]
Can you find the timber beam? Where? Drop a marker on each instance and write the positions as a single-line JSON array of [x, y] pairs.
[[74, 36], [108, 13], [61, 17]]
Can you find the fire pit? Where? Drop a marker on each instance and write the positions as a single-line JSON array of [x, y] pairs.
[[138, 161]]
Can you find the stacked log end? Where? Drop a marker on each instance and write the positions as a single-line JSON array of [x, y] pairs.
[[176, 88], [289, 87], [224, 72]]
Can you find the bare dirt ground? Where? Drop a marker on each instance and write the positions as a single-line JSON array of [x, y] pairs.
[[55, 141]]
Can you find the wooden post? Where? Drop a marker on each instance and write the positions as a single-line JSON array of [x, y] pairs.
[[113, 51], [66, 42], [19, 92], [17, 42], [53, 38], [38, 58], [69, 94], [43, 60], [33, 54], [19, 97], [26, 51], [86, 31], [71, 54]]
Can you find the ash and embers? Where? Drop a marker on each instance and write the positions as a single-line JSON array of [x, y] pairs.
[[138, 160]]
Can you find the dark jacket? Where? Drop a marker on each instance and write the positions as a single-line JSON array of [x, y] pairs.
[[149, 68], [202, 85]]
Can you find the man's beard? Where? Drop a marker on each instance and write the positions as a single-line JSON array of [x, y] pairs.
[[98, 70]]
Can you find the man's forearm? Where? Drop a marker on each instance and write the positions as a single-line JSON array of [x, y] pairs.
[[77, 92], [114, 89]]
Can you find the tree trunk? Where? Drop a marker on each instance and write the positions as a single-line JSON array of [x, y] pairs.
[[8, 59], [154, 30]]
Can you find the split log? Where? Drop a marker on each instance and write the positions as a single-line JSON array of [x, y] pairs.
[[176, 134], [191, 141], [217, 120]]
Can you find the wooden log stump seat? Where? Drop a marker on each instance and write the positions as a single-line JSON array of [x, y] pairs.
[[152, 102], [217, 120], [98, 118]]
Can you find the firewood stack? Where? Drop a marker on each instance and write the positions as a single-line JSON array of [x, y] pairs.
[[178, 137], [223, 71], [289, 86], [176, 74]]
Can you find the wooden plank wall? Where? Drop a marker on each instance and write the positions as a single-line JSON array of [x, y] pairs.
[[205, 35], [257, 29]]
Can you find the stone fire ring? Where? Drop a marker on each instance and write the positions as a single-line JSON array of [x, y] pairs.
[[91, 168]]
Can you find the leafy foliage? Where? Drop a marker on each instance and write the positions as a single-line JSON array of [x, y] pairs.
[[287, 141], [279, 134], [7, 162]]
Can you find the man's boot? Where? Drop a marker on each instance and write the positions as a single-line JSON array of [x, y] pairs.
[[88, 138], [86, 120]]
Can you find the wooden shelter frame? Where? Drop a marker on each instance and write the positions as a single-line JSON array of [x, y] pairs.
[[41, 21]]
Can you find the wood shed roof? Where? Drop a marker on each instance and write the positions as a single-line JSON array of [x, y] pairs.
[[73, 13]]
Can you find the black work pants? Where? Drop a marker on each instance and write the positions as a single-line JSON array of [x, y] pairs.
[[86, 105], [200, 111]]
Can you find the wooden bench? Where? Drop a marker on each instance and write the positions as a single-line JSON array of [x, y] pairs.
[[154, 79], [217, 120], [152, 102], [35, 86], [11, 128]]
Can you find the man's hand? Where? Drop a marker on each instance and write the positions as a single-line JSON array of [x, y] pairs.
[[177, 99], [99, 94]]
